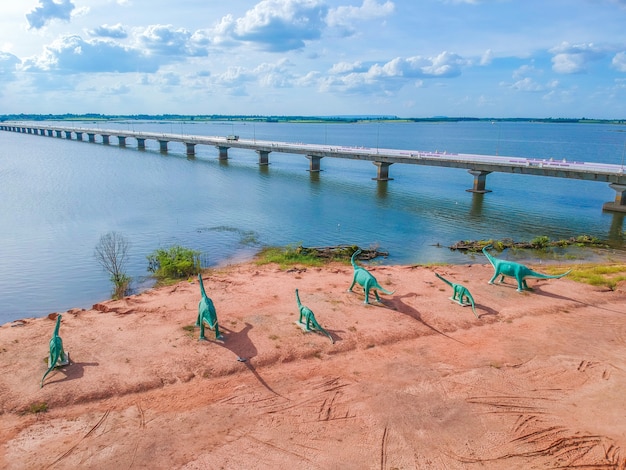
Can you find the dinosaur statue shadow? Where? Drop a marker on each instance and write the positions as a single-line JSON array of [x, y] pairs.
[[71, 371], [406, 309], [538, 289], [240, 344]]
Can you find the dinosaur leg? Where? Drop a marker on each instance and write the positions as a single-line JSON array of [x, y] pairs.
[[352, 285], [202, 337], [376, 294], [366, 288], [495, 275]]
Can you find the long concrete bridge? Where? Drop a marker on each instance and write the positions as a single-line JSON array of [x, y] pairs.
[[479, 166]]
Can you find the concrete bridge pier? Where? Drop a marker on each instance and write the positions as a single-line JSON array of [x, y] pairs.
[[163, 145], [222, 152], [191, 149], [68, 135], [382, 174], [314, 163], [480, 177], [141, 143], [79, 136], [619, 205], [121, 140], [264, 157], [58, 134], [50, 132], [105, 139], [91, 137]]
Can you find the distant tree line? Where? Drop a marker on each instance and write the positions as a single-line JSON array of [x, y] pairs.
[[272, 118]]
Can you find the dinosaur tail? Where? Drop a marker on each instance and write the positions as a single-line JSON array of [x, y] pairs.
[[53, 363], [444, 279], [328, 334], [384, 291], [548, 276]]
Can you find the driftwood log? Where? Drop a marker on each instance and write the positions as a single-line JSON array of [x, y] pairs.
[[539, 243], [341, 251]]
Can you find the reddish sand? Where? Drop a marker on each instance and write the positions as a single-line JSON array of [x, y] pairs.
[[416, 381]]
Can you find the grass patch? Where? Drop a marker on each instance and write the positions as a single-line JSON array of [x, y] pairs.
[[288, 256], [292, 255], [600, 275], [39, 407]]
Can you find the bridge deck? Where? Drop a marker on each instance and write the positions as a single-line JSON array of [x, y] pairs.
[[478, 165]]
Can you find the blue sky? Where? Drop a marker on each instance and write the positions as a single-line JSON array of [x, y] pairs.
[[409, 58]]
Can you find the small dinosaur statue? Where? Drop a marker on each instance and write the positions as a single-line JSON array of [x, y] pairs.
[[309, 318], [57, 356], [460, 294], [366, 280], [518, 271], [206, 313]]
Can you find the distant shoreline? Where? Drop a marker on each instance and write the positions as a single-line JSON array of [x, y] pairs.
[[295, 119]]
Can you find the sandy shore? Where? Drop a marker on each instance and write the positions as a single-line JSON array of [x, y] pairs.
[[415, 381]]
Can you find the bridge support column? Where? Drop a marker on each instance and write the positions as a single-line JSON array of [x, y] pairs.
[[619, 205], [141, 143], [121, 140], [191, 149], [222, 152], [382, 173], [58, 134], [163, 145], [91, 137], [264, 157], [79, 136], [480, 178], [50, 132], [68, 135], [314, 163]]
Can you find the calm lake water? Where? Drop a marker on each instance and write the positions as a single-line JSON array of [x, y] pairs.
[[59, 196]]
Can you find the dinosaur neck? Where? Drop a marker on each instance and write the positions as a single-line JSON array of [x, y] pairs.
[[353, 258], [489, 257], [202, 286], [57, 326], [298, 298]]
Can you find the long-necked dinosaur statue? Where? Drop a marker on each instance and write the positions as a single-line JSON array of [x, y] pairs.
[[366, 280], [460, 294], [57, 356], [307, 315], [206, 313], [516, 270]]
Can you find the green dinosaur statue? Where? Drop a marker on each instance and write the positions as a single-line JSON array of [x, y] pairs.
[[518, 271], [206, 313], [460, 294], [307, 314], [366, 280], [57, 356]]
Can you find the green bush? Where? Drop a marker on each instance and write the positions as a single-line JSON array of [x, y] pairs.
[[175, 262]]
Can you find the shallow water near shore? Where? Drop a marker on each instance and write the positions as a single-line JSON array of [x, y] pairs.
[[59, 197]]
